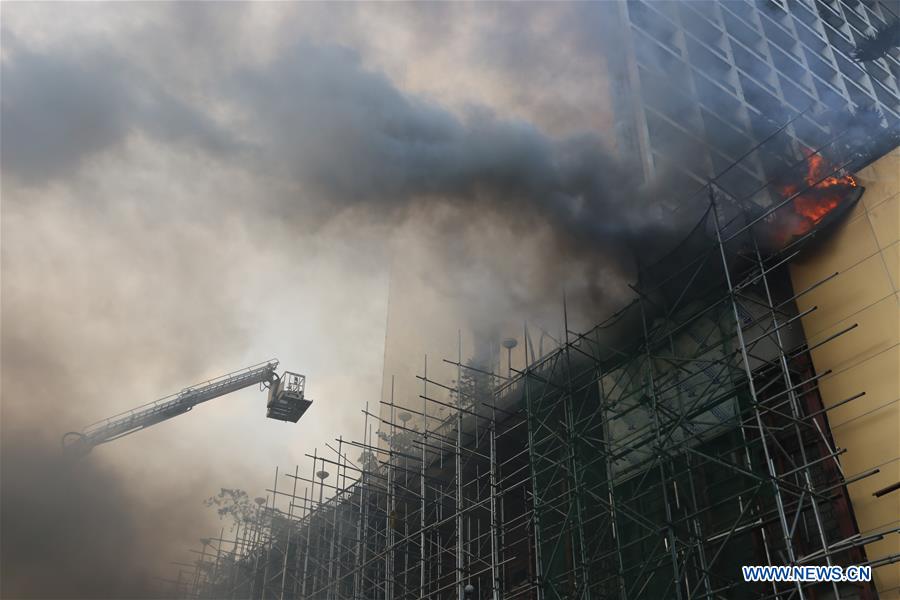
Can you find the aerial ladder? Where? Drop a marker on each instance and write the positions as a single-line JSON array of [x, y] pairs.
[[286, 402]]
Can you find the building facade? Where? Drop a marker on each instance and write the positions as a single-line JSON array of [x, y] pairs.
[[711, 79], [742, 409]]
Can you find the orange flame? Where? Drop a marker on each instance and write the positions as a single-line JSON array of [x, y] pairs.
[[822, 194]]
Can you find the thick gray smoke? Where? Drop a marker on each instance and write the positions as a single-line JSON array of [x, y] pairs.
[[82, 325], [353, 143], [351, 137], [69, 532], [162, 162]]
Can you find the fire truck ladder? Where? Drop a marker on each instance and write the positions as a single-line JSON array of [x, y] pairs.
[[286, 403]]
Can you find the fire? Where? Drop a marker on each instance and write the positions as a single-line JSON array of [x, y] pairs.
[[822, 192]]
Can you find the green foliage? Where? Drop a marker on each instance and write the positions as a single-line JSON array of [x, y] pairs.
[[400, 441], [368, 462], [234, 503], [474, 388]]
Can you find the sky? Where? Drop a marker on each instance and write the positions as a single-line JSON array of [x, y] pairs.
[[192, 188]]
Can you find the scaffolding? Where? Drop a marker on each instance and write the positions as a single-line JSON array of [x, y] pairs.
[[649, 457]]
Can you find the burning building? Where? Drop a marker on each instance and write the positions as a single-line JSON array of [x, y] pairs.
[[730, 92], [740, 409]]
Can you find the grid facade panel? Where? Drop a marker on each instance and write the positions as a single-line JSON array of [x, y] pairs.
[[753, 65]]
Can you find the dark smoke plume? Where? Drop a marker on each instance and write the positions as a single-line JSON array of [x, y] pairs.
[[347, 135], [880, 44], [353, 143]]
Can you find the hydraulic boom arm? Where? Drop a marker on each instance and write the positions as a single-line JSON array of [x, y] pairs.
[[286, 403]]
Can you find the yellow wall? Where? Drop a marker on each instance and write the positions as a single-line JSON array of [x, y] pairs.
[[865, 251]]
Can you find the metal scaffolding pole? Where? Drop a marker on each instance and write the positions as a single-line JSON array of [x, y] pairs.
[[648, 457]]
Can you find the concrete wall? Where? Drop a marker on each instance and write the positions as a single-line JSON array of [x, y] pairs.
[[865, 251]]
